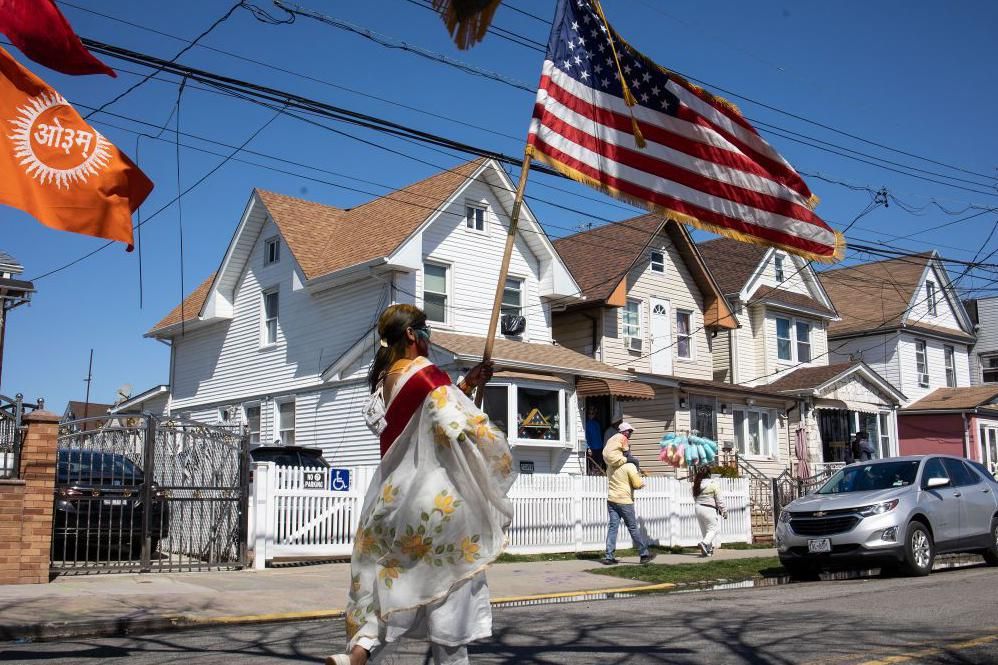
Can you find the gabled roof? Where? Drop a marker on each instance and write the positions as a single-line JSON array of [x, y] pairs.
[[325, 239], [732, 262], [600, 260], [957, 399], [141, 398], [813, 379], [190, 307], [878, 296], [769, 294], [9, 264], [82, 410]]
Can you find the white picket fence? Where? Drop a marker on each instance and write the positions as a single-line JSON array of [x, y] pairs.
[[552, 513]]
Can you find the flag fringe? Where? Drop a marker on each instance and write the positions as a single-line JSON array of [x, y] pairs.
[[683, 218], [466, 21]]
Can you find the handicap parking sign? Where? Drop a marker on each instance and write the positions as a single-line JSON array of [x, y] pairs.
[[339, 480]]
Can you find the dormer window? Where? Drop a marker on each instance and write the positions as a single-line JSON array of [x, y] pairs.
[[778, 264], [272, 251], [474, 217], [658, 261], [930, 291]]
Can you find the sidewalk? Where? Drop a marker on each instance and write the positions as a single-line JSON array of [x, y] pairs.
[[88, 605]]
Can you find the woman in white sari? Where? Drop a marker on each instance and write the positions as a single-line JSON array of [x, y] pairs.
[[436, 512]]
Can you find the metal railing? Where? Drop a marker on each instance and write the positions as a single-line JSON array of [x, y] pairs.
[[11, 432]]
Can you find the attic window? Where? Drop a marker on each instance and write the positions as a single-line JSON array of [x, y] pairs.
[[657, 261], [778, 264], [930, 288], [474, 217], [272, 251]]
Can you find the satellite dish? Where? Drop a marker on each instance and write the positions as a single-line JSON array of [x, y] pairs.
[[124, 392]]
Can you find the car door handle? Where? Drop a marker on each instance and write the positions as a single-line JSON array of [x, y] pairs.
[[957, 494], [986, 490]]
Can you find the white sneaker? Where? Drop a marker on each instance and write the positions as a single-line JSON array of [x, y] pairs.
[[703, 549], [338, 659]]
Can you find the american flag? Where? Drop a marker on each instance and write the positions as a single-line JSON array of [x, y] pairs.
[[701, 163]]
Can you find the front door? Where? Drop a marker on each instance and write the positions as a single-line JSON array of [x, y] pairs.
[[661, 336], [704, 416]]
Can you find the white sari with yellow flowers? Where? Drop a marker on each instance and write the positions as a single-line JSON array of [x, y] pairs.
[[434, 517]]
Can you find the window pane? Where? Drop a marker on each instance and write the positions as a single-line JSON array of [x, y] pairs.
[[683, 323], [933, 469], [512, 297], [803, 342], [435, 278], [783, 339], [632, 320], [270, 305], [778, 261], [496, 406], [253, 422], [287, 414], [658, 261], [435, 307], [783, 349], [740, 431], [755, 442], [271, 331], [958, 473], [537, 414]]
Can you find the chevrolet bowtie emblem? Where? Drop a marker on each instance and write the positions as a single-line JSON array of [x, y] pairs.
[[820, 513]]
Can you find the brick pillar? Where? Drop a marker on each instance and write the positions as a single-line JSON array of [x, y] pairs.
[[36, 483]]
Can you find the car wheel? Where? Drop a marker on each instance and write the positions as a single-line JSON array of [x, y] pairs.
[[800, 571], [919, 550], [991, 553]]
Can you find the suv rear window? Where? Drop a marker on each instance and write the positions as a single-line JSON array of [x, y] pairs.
[[959, 474]]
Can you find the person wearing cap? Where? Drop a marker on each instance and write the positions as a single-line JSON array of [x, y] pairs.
[[617, 450], [622, 479]]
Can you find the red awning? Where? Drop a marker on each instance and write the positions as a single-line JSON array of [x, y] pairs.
[[623, 390]]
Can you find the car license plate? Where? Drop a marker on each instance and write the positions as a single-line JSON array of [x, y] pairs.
[[114, 502], [819, 545]]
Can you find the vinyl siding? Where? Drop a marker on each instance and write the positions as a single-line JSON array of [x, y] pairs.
[[877, 351], [651, 420], [331, 420], [721, 352], [574, 331], [987, 336], [225, 361], [937, 369], [944, 316], [675, 285], [793, 272], [473, 259]]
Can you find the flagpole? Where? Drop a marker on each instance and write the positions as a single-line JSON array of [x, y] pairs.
[[514, 219]]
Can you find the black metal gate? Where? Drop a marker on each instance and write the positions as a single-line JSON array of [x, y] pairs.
[[136, 493], [786, 488]]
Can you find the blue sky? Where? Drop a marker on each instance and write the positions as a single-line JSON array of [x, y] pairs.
[[915, 76]]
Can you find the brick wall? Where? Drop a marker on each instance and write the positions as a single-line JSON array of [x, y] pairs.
[[26, 505]]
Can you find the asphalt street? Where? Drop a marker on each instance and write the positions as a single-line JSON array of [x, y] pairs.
[[948, 617]]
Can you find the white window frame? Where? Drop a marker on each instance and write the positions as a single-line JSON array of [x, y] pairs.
[[522, 284], [265, 321], [778, 269], [884, 427], [794, 339], [472, 211], [636, 330], [931, 292], [949, 361], [657, 265], [279, 429], [789, 338], [769, 444], [986, 369], [798, 342], [565, 428], [247, 406], [272, 250], [447, 285], [922, 366], [688, 336]]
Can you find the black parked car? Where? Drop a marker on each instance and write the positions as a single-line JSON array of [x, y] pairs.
[[99, 508], [310, 458]]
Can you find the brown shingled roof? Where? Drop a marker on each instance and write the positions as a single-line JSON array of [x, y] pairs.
[[873, 295], [776, 296], [732, 262], [807, 378], [82, 410], [325, 239], [551, 356], [956, 398], [600, 258], [191, 306]]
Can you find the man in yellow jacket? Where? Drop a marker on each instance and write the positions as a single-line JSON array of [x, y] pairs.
[[622, 479]]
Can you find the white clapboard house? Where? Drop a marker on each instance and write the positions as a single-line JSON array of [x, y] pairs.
[[280, 337]]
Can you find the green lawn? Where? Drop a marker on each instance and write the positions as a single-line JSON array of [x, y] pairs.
[[706, 571], [595, 556]]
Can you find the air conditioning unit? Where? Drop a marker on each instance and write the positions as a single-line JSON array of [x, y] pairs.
[[633, 344], [513, 324], [923, 380]]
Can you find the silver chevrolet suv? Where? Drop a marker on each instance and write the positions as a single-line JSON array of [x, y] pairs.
[[892, 513]]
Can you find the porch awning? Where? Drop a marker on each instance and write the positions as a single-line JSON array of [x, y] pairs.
[[849, 405], [623, 390], [527, 376]]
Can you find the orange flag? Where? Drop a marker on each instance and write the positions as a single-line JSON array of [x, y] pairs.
[[59, 169]]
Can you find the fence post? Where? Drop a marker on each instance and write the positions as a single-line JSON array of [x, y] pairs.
[[262, 499], [577, 488], [244, 497], [149, 476]]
